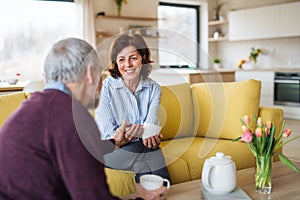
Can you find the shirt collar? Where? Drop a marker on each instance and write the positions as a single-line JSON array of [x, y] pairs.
[[57, 85]]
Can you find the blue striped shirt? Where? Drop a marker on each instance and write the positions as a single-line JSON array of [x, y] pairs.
[[118, 103]]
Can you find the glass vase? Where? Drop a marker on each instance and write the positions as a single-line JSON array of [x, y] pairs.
[[119, 9], [263, 174]]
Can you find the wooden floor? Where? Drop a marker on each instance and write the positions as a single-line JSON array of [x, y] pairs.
[[292, 149]]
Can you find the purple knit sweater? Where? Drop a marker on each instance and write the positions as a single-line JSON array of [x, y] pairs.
[[43, 157]]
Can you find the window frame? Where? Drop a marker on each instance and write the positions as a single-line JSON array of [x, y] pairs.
[[197, 8]]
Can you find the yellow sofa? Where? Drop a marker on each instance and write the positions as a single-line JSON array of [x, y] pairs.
[[202, 119], [198, 120], [9, 103]]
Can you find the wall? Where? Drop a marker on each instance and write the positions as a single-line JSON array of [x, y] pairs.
[[132, 8], [281, 52], [112, 27], [148, 8]]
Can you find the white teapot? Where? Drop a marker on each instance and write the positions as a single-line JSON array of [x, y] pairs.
[[219, 174]]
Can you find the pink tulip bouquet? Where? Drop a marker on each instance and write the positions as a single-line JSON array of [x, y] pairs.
[[263, 144]]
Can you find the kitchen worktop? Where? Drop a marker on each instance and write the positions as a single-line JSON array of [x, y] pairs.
[[221, 70], [272, 69], [191, 70], [6, 88], [169, 76]]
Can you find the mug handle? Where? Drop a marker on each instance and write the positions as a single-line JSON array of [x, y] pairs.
[[168, 183]]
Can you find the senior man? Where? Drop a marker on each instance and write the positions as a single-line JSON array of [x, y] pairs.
[[50, 147]]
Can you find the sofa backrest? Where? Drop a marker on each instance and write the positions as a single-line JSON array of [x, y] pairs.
[[218, 107], [176, 111], [203, 109], [9, 103]]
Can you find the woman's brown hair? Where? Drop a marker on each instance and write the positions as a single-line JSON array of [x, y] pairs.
[[139, 43]]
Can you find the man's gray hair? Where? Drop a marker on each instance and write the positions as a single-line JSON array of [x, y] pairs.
[[68, 59]]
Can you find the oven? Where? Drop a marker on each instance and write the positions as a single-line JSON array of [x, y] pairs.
[[287, 88]]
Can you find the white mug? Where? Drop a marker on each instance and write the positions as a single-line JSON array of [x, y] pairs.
[[153, 182]]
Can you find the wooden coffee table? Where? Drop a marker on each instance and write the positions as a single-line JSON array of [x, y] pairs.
[[285, 185]]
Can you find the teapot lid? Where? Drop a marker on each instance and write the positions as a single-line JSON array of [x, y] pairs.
[[220, 159]]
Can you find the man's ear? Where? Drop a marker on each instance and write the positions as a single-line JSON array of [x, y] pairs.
[[89, 74]]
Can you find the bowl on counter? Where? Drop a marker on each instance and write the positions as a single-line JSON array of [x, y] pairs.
[[12, 81]]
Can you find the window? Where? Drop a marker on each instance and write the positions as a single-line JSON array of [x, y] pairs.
[[28, 29], [179, 31]]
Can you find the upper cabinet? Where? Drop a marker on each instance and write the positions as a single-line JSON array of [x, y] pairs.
[[290, 23], [265, 22]]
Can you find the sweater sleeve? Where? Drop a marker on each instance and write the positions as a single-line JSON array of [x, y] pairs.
[[76, 150]]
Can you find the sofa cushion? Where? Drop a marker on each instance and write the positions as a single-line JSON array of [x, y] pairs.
[[9, 103], [173, 150], [176, 111], [191, 153], [178, 169], [218, 107], [120, 182], [275, 115], [196, 155]]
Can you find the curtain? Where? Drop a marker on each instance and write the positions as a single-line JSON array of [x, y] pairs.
[[86, 21]]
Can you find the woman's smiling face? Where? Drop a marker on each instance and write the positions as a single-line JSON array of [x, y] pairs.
[[129, 63]]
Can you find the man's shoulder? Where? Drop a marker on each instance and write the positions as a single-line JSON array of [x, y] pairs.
[[49, 97]]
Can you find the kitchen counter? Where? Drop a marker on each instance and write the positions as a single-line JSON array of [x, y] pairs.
[[5, 87], [273, 70], [267, 77], [169, 76], [192, 70]]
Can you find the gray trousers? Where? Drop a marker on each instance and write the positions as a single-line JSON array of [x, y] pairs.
[[134, 156]]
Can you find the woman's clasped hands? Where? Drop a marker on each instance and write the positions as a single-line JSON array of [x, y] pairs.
[[128, 132]]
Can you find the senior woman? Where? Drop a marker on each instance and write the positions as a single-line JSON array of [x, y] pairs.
[[130, 98]]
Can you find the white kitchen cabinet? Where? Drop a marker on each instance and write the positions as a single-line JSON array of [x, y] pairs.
[[290, 112], [290, 23], [275, 21], [267, 84]]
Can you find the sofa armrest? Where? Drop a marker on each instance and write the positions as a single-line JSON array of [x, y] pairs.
[[275, 115], [120, 182], [9, 103]]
